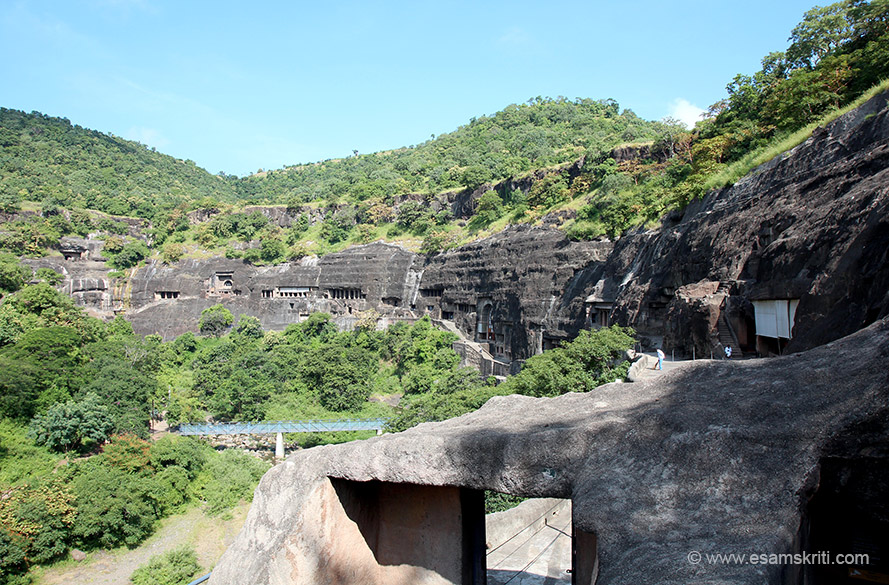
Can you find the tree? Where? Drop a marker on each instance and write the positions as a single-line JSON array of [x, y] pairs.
[[130, 255], [489, 208], [215, 320], [13, 276], [49, 276], [229, 478], [113, 507], [822, 31], [54, 356], [18, 391], [173, 252], [72, 425], [318, 325], [249, 327]]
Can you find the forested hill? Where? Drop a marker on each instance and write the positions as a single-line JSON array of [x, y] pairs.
[[835, 54], [541, 133], [45, 157]]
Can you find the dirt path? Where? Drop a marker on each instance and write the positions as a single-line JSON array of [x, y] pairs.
[[210, 537]]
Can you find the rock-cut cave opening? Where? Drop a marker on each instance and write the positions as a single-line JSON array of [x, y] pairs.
[[443, 532], [846, 517]]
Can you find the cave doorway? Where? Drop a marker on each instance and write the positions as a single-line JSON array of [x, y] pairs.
[[444, 534], [537, 541], [438, 530], [848, 514], [486, 322]]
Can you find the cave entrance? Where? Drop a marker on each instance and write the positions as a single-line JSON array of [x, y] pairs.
[[536, 542], [848, 514], [441, 535], [436, 530]]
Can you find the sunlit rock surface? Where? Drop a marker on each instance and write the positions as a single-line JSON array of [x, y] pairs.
[[710, 457]]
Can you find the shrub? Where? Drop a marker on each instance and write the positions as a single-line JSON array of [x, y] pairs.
[[227, 479], [130, 255], [12, 275], [114, 508], [175, 567], [215, 320], [173, 252]]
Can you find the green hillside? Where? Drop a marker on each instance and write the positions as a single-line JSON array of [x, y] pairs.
[[44, 157], [515, 161], [541, 133]]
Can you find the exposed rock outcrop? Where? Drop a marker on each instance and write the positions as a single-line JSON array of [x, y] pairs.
[[812, 225], [715, 457], [168, 300], [518, 286], [809, 228]]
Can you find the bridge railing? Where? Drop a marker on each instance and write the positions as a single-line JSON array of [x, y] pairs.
[[304, 426]]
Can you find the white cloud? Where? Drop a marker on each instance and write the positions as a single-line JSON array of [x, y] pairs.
[[686, 112], [147, 136]]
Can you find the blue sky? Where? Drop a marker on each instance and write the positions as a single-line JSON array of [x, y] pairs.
[[239, 86]]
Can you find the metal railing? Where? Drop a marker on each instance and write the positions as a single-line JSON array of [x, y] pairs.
[[305, 426], [201, 579]]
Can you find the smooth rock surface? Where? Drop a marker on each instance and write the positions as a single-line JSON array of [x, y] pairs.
[[712, 456]]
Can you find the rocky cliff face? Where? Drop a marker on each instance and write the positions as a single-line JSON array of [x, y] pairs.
[[168, 300], [523, 280], [810, 226], [518, 289], [674, 465]]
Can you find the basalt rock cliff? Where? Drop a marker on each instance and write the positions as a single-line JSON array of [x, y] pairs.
[[811, 225], [807, 232]]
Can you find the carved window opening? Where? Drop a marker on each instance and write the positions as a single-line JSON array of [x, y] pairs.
[[392, 301], [166, 294], [447, 315], [432, 292], [300, 292], [464, 308], [544, 525], [223, 283], [346, 294], [267, 294]]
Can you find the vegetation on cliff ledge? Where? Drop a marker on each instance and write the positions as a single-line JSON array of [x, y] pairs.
[[520, 164]]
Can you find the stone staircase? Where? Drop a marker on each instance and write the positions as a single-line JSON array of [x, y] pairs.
[[473, 354], [726, 337]]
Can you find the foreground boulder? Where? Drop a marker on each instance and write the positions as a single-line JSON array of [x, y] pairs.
[[741, 457]]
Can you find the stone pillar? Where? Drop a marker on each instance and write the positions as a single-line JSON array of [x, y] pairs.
[[279, 446]]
